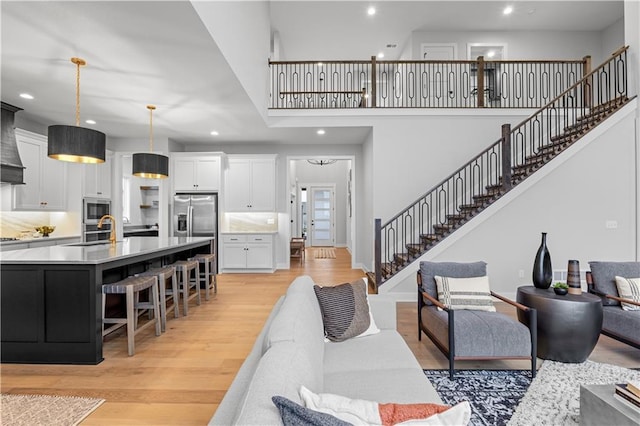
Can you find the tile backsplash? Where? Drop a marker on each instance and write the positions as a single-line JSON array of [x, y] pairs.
[[250, 222], [12, 224]]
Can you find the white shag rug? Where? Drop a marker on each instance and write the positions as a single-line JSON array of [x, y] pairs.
[[553, 398]]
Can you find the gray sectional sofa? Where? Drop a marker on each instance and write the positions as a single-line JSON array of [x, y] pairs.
[[291, 351]]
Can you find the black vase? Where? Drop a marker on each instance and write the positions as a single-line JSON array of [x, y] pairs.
[[542, 273]]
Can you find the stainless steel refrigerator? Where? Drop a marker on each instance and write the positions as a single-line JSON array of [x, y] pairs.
[[195, 215]]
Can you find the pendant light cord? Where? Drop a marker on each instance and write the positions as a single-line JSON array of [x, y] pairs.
[[151, 108], [79, 63]]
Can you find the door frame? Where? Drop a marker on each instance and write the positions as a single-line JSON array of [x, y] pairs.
[[353, 219]]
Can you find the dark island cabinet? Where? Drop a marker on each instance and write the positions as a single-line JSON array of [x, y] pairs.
[[51, 310]]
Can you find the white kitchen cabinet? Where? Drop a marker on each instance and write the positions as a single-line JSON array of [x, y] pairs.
[[248, 253], [250, 184], [45, 179], [196, 173], [96, 180]]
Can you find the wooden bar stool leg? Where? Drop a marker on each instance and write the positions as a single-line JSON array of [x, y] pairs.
[[155, 298], [196, 276], [132, 316], [207, 278], [162, 291], [176, 294], [184, 275]]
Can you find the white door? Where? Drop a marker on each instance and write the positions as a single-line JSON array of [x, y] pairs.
[[322, 216], [436, 89]]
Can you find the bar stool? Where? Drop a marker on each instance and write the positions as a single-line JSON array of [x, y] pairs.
[[165, 273], [208, 260], [131, 288], [184, 269]]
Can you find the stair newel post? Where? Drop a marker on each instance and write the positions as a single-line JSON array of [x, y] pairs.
[[378, 251], [506, 157], [480, 81], [374, 90], [586, 69]]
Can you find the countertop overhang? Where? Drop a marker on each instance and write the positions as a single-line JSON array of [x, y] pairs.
[[98, 254]]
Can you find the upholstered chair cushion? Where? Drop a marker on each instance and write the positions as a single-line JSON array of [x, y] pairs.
[[604, 277], [428, 270], [479, 333]]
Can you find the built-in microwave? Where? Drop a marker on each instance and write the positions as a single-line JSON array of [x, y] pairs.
[[94, 208]]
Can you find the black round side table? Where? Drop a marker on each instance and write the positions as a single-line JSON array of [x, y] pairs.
[[568, 326]]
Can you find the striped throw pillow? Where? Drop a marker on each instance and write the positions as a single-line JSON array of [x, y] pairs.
[[629, 288], [345, 311], [465, 293]]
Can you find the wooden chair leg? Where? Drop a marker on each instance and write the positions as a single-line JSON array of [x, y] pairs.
[[184, 275]]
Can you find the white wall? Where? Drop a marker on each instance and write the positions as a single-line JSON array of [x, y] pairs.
[[364, 191], [612, 37], [413, 155], [242, 31], [572, 203], [521, 44]]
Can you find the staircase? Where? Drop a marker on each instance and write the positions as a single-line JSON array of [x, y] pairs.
[[518, 154]]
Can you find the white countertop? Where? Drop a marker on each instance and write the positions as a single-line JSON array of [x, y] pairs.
[[97, 254]]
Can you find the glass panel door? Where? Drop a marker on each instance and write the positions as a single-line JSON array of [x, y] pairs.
[[322, 226]]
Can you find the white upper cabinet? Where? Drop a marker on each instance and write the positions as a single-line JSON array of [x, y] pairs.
[[196, 173], [96, 180], [250, 184], [45, 179]]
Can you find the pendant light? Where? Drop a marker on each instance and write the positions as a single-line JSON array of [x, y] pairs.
[[74, 143], [147, 164]]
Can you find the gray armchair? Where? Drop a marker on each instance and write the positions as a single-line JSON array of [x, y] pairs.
[[472, 334], [616, 323]]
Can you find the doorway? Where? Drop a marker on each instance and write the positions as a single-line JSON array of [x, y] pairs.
[[323, 211]]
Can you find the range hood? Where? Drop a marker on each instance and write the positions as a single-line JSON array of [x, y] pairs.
[[11, 168]]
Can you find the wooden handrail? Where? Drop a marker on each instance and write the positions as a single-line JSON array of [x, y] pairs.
[[578, 83]]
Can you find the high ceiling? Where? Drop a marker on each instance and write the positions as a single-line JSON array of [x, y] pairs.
[[159, 52]]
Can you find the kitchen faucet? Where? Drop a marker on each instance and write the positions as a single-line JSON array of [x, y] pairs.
[[112, 236]]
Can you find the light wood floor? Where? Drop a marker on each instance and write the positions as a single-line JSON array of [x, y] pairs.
[[181, 376]]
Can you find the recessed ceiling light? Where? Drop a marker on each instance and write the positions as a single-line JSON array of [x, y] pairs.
[[26, 96], [491, 53], [380, 55], [214, 133], [320, 132], [371, 11], [90, 121], [507, 10], [319, 64]]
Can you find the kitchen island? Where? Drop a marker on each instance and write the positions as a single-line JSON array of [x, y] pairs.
[[51, 297]]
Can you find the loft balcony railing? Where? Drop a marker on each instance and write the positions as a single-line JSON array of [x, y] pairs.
[[495, 171], [421, 84]]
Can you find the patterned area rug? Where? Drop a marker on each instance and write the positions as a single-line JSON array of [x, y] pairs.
[[30, 410], [510, 397], [325, 253], [493, 394]]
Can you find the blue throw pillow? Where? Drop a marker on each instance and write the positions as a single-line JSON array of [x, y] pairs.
[[293, 414]]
